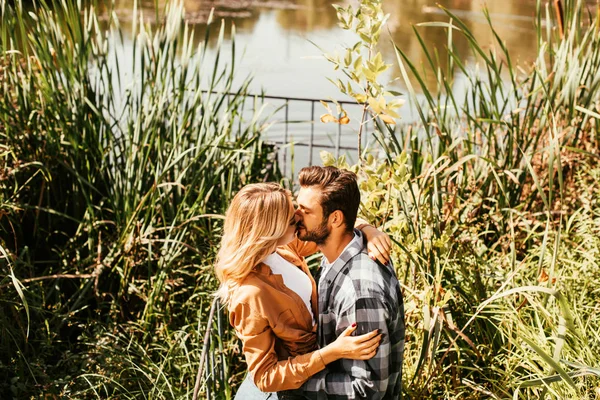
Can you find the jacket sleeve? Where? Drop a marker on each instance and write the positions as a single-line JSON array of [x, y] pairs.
[[270, 374], [302, 248], [360, 224]]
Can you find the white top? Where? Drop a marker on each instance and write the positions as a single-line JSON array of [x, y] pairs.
[[293, 277]]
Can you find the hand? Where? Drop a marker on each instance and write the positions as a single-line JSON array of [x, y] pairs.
[[361, 347], [379, 244]]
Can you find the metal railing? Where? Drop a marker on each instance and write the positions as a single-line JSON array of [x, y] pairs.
[[298, 131]]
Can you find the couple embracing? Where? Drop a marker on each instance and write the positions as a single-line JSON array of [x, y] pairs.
[[338, 335]]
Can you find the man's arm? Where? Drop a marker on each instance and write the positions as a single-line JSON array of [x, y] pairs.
[[356, 379]]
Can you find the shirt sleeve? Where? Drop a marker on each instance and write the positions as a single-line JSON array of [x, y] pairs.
[[269, 373], [355, 379]]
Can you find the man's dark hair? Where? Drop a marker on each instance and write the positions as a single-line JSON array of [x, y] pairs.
[[339, 191]]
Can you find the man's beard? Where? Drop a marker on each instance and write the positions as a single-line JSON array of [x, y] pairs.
[[318, 235]]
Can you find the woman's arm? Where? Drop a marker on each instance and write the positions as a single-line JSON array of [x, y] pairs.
[[302, 248], [272, 375], [379, 244]]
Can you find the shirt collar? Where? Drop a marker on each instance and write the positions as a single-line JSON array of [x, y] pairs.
[[353, 242], [353, 248]]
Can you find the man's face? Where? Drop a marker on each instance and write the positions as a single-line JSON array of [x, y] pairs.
[[312, 227]]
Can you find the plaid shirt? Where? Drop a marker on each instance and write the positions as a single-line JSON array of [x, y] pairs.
[[357, 289]]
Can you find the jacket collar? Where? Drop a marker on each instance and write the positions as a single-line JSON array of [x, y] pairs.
[[263, 269], [286, 254]]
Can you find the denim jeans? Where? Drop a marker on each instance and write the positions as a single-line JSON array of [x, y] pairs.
[[249, 391]]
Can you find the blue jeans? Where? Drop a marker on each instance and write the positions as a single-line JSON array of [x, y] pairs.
[[249, 391]]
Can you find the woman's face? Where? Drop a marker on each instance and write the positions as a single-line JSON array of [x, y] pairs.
[[290, 232]]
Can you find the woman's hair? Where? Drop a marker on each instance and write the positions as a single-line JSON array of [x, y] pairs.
[[256, 219]]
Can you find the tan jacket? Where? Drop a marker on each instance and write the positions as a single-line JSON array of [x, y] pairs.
[[277, 331]]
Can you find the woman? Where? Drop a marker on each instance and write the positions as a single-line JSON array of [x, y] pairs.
[[272, 297]]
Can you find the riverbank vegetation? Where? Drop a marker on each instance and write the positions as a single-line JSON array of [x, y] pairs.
[[115, 174], [492, 198]]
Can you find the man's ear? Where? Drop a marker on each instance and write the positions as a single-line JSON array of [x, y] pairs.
[[336, 219]]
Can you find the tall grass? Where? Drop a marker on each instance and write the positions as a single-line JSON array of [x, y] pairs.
[[112, 186], [492, 199]]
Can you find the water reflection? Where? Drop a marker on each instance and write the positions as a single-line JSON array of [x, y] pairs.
[[513, 21], [274, 38], [310, 15], [276, 35]]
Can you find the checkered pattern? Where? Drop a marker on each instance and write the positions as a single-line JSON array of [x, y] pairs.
[[358, 289]]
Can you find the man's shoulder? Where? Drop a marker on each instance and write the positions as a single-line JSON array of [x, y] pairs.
[[363, 277], [361, 266]]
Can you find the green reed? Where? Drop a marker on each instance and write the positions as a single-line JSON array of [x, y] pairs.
[[483, 196], [115, 178]]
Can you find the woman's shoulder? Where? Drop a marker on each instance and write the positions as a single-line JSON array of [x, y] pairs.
[[251, 290], [246, 292]]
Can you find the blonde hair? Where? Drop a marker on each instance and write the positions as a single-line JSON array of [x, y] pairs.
[[256, 219]]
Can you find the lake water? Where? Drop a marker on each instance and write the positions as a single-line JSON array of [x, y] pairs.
[[273, 43]]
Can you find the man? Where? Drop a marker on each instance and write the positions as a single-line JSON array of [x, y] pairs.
[[353, 288]]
